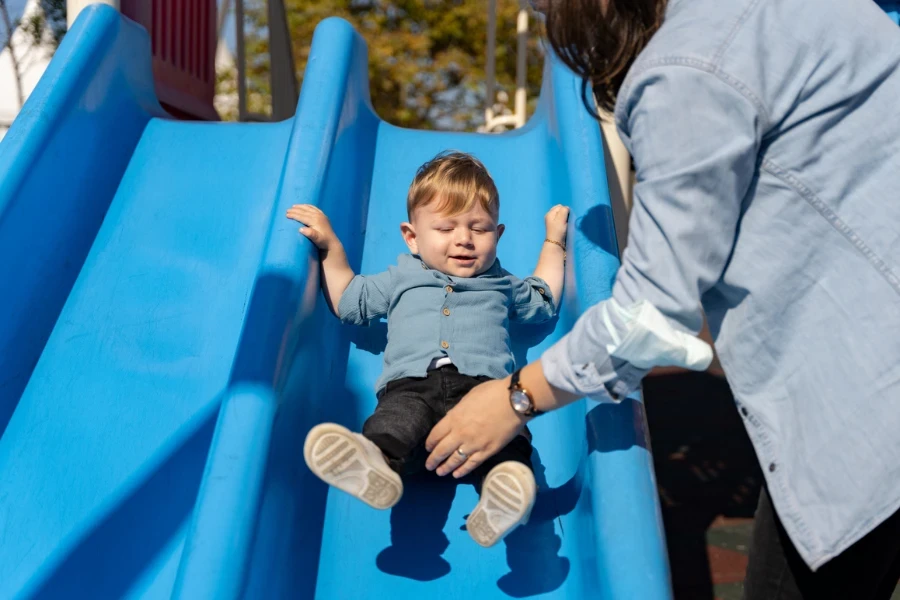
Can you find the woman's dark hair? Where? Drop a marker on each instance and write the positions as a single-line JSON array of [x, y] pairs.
[[600, 48]]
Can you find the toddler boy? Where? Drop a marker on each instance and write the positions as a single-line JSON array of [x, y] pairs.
[[448, 306]]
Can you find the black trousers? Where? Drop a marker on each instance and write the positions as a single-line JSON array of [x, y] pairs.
[[868, 570], [407, 410]]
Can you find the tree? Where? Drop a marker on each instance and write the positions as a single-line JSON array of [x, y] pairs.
[[47, 26], [44, 29], [426, 57], [7, 23]]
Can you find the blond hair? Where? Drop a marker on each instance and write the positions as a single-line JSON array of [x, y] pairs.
[[458, 180]]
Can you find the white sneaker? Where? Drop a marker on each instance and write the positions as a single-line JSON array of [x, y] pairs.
[[507, 497], [352, 463]]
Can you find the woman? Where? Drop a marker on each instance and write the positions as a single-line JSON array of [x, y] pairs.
[[766, 138]]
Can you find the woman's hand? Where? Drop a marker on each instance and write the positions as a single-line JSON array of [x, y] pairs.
[[484, 421], [480, 425]]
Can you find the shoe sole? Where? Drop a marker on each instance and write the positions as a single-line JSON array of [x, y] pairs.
[[507, 497], [338, 458]]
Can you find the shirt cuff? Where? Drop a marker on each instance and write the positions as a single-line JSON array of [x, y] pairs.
[[543, 305], [609, 381]]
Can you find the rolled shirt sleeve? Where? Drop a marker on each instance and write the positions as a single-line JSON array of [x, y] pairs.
[[695, 137], [367, 297], [533, 301]]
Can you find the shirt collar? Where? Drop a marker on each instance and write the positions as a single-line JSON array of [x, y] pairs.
[[414, 261]]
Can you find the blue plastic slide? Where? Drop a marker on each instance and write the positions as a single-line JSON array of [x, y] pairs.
[[164, 348], [892, 8]]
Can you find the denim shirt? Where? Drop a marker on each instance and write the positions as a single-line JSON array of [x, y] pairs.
[[766, 139], [433, 315]]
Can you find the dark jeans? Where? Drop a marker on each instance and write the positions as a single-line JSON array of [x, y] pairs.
[[407, 410], [868, 570]]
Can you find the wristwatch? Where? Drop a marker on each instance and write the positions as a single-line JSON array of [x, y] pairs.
[[521, 399]]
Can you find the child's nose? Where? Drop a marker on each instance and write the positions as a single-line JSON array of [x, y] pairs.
[[464, 237]]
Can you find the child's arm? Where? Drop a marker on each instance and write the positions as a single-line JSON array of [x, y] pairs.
[[336, 271], [551, 266]]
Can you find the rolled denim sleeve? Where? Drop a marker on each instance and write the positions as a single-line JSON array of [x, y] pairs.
[[532, 300], [695, 135], [366, 298]]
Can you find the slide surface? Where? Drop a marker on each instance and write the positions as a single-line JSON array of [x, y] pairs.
[[167, 348]]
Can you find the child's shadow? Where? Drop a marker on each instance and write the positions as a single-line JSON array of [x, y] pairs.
[[532, 550], [418, 539], [417, 529]]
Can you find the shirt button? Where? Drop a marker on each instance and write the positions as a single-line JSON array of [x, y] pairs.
[[772, 467], [448, 289], [446, 312], [541, 291], [445, 345]]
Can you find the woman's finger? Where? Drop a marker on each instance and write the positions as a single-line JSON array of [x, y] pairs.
[[453, 462], [470, 465], [438, 432], [441, 451]]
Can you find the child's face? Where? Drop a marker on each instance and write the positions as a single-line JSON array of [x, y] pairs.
[[462, 245]]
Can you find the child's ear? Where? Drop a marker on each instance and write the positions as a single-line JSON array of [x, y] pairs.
[[409, 236], [500, 229]]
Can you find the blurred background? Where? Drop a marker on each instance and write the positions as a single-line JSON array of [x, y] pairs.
[[427, 59]]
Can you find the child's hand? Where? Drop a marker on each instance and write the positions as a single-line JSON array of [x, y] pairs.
[[556, 221], [318, 228]]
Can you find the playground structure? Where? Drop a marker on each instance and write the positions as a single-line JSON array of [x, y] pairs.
[[167, 347]]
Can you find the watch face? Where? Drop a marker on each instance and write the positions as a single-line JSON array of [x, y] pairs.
[[520, 401]]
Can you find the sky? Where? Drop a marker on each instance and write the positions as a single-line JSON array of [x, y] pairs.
[[15, 11]]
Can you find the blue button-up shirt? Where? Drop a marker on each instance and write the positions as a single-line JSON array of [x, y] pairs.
[[431, 315], [766, 138]]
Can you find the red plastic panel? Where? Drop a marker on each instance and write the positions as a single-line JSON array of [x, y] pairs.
[[183, 36]]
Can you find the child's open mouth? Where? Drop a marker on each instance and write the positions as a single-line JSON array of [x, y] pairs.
[[464, 259]]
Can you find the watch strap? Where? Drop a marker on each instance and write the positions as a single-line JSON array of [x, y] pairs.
[[515, 385]]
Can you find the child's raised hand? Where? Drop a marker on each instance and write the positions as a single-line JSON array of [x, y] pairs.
[[317, 226], [556, 221]]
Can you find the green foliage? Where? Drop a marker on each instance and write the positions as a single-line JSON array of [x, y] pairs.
[[44, 28], [426, 57], [47, 25]]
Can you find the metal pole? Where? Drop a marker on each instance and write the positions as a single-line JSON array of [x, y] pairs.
[[281, 63], [223, 16], [521, 63], [491, 59], [73, 7], [241, 60]]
